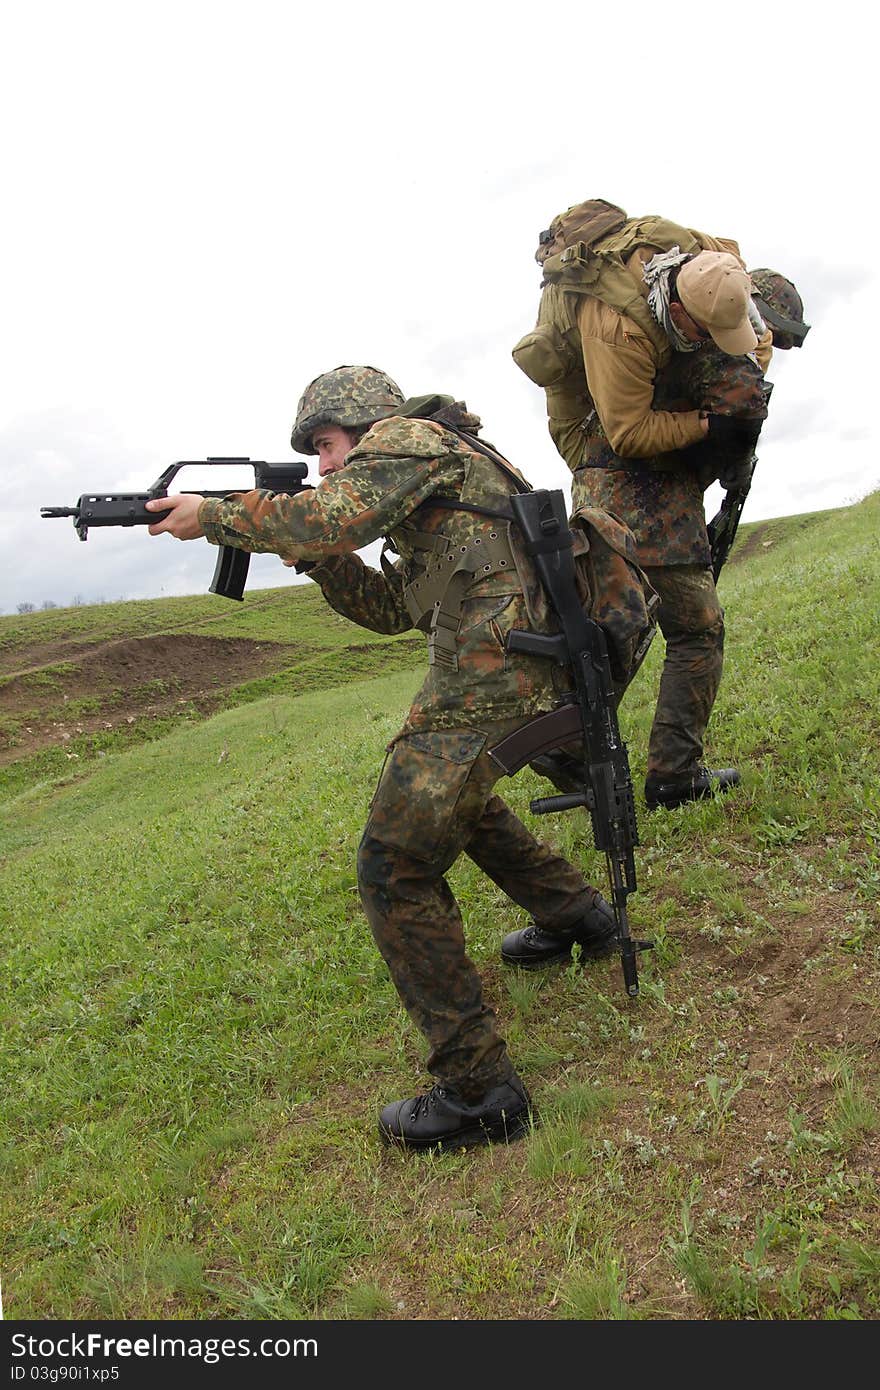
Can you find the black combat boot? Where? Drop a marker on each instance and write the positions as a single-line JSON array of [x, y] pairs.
[[694, 786], [441, 1119], [535, 946]]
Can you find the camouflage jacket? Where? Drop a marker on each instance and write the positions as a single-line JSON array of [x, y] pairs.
[[661, 499], [386, 489]]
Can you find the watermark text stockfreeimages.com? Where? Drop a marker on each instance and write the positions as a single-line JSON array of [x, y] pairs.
[[87, 1346]]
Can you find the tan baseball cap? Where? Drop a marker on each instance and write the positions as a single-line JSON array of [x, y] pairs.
[[715, 291]]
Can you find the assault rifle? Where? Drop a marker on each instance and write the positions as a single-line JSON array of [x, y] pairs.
[[722, 528], [128, 509], [586, 715]]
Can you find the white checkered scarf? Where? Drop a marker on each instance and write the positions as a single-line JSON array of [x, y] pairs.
[[657, 274]]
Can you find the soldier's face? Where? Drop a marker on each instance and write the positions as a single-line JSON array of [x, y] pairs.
[[687, 327], [333, 444]]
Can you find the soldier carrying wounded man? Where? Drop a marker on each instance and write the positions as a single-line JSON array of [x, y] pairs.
[[651, 346]]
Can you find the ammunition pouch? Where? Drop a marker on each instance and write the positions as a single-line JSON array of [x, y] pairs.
[[545, 355]]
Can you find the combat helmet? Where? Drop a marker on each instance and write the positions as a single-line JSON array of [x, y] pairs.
[[780, 306], [348, 396]]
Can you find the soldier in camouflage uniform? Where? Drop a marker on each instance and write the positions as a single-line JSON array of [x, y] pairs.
[[663, 503], [390, 471], [645, 420]]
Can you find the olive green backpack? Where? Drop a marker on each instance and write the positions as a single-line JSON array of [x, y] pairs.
[[584, 252]]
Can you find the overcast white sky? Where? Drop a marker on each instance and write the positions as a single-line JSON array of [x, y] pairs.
[[208, 204]]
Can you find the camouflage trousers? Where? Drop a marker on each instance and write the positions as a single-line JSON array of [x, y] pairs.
[[692, 624], [434, 802]]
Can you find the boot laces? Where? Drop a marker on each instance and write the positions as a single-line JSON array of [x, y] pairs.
[[424, 1104]]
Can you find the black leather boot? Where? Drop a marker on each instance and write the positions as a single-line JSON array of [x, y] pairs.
[[705, 781], [441, 1119], [535, 946]]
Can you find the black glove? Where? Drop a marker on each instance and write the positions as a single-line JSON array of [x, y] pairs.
[[730, 445], [733, 432], [733, 477]]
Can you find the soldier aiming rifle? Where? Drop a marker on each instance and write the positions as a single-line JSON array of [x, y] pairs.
[[415, 472]]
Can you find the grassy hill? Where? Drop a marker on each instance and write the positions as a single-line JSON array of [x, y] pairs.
[[198, 1029], [78, 683]]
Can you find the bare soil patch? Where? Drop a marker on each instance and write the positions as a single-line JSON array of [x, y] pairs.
[[749, 545], [67, 690]]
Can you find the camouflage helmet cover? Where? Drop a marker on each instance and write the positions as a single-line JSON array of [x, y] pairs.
[[773, 292], [348, 396]]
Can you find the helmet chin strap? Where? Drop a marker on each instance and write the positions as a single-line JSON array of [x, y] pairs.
[[792, 327]]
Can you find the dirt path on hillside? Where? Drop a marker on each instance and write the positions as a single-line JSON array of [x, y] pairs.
[[108, 684], [20, 658]]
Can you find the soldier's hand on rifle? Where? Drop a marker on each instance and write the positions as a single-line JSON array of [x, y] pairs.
[[734, 476], [733, 431], [182, 520]]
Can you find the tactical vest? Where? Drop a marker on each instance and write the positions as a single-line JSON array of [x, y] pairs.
[[447, 568]]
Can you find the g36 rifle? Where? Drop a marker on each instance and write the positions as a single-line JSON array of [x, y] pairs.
[[128, 509]]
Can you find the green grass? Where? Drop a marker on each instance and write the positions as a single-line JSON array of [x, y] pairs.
[[318, 649], [197, 1028], [264, 615]]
